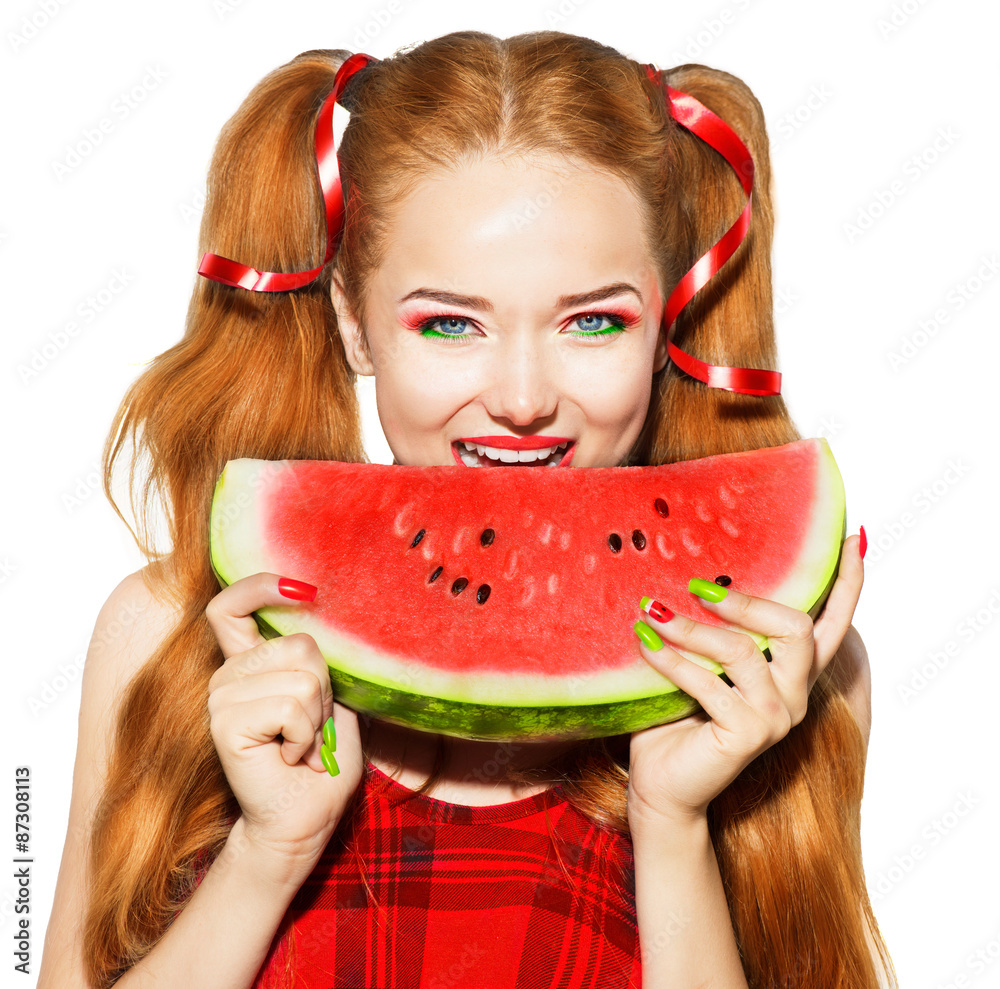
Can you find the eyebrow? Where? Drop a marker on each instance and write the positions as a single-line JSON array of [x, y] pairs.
[[563, 302]]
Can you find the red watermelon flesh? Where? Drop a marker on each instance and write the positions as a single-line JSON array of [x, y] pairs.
[[499, 603]]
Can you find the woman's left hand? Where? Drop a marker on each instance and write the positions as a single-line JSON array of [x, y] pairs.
[[676, 769]]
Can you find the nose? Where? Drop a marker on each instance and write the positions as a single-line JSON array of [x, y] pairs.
[[522, 387]]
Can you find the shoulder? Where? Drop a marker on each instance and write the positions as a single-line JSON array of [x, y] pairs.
[[133, 621], [850, 671]]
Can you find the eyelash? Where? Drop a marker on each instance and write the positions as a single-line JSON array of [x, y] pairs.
[[619, 322]]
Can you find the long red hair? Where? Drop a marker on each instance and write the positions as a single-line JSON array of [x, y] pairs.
[[264, 375]]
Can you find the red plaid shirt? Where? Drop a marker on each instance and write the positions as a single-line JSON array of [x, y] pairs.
[[467, 896]]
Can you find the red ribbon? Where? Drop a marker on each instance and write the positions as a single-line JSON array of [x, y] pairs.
[[685, 109], [237, 275], [715, 132]]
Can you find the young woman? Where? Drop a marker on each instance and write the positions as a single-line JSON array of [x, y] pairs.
[[517, 213]]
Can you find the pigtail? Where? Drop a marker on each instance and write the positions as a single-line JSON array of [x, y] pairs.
[[255, 375], [787, 830], [730, 321]]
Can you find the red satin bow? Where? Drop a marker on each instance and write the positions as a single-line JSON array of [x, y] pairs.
[[237, 275], [715, 132], [685, 109]]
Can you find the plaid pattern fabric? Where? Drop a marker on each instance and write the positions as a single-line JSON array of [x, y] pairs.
[[465, 896]]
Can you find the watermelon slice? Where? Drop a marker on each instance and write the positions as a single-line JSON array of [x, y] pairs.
[[495, 603]]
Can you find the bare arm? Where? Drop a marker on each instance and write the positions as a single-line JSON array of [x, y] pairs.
[[685, 933]]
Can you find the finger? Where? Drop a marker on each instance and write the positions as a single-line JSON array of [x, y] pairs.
[[719, 701], [258, 722], [303, 685], [838, 612], [737, 652], [789, 633], [230, 612]]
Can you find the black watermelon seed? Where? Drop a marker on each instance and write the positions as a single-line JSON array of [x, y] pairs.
[[434, 576], [661, 507], [483, 593], [417, 538], [487, 538], [638, 539], [723, 581], [615, 542], [459, 585]]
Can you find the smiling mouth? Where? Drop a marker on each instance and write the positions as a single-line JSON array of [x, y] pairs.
[[481, 455]]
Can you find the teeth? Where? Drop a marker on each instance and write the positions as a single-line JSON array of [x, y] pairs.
[[468, 455]]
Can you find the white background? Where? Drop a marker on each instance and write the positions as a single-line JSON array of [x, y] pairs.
[[882, 115]]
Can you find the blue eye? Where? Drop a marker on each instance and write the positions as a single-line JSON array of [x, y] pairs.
[[451, 327], [616, 321]]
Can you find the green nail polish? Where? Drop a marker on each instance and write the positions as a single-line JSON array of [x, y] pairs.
[[330, 734], [648, 636], [643, 602], [328, 760], [707, 590]]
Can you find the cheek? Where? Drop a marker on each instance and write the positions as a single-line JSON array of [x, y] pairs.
[[415, 393], [618, 397]]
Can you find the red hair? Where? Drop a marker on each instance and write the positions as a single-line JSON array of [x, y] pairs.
[[265, 376]]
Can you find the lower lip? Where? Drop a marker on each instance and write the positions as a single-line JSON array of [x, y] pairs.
[[565, 462]]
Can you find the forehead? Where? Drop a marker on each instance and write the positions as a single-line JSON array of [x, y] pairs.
[[537, 227]]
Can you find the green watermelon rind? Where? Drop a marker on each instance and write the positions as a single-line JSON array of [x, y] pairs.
[[483, 716]]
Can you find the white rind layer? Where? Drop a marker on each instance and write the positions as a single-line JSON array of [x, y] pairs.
[[237, 552]]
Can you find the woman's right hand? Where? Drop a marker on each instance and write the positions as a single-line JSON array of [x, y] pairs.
[[268, 703]]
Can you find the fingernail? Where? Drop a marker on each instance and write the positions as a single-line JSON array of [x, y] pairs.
[[648, 636], [330, 734], [707, 590], [298, 590], [328, 760], [863, 545], [658, 611]]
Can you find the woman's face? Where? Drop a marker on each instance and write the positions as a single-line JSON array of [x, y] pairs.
[[516, 318]]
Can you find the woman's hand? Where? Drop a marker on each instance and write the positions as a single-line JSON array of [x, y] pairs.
[[677, 769], [269, 703]]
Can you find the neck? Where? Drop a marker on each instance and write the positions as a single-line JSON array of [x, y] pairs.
[[469, 770]]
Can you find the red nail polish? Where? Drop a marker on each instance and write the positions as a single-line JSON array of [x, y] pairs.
[[298, 590], [656, 610], [863, 545]]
